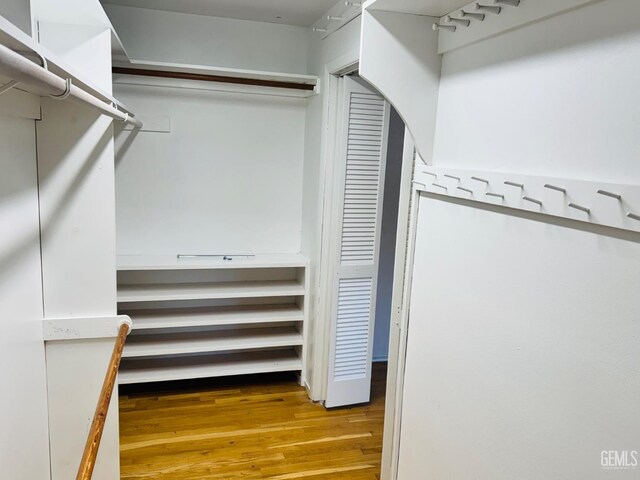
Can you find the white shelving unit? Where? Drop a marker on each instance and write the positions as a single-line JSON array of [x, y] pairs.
[[198, 317]]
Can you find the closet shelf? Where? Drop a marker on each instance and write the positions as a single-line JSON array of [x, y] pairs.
[[172, 262], [215, 316], [211, 73], [15, 39], [201, 366], [212, 341], [208, 291]]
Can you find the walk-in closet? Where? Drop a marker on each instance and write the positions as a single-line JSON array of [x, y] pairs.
[[319, 239]]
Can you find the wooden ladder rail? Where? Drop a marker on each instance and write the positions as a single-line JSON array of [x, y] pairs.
[[88, 462]]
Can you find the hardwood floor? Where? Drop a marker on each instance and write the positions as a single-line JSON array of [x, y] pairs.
[[251, 427]]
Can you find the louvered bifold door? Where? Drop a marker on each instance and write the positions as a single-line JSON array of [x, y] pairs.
[[361, 162]]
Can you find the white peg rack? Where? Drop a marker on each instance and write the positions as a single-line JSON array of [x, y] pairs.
[[608, 204], [509, 18]]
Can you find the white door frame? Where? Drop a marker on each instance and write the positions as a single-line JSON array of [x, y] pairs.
[[402, 276], [403, 273], [322, 332]]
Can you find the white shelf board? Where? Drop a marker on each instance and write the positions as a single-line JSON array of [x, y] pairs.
[[219, 71], [211, 341], [15, 39], [215, 316], [433, 8], [220, 365], [208, 291], [172, 262]]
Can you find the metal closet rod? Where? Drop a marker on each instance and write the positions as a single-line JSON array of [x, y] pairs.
[[23, 70]]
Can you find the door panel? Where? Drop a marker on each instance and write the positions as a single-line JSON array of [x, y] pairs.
[[362, 160]]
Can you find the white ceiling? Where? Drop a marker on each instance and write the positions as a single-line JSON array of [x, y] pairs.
[[289, 12], [434, 8]]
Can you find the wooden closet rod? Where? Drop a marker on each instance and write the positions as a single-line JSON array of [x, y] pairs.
[[213, 78], [88, 462]]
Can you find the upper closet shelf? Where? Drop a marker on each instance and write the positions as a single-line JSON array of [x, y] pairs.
[[173, 262], [305, 84], [18, 41]]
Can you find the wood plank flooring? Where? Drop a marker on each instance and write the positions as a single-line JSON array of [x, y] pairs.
[[251, 427]]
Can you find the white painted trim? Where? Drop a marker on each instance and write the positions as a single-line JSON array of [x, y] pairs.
[[402, 340], [398, 313], [83, 328], [325, 286]]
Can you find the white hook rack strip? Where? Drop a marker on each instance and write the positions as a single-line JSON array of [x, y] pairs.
[[612, 205], [491, 17]]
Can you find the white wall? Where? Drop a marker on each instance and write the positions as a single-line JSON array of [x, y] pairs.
[[227, 179], [523, 348], [77, 218], [200, 40], [24, 435], [523, 329], [556, 97]]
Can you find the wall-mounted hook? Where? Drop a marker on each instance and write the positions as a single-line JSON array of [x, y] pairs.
[[316, 29], [610, 194], [532, 200], [633, 216], [439, 26], [459, 21], [487, 8], [496, 195], [452, 176], [514, 184], [334, 18], [473, 16], [478, 179], [581, 208], [437, 185], [554, 187], [511, 3], [468, 190]]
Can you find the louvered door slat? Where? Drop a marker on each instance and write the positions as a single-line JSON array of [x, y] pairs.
[[366, 117]]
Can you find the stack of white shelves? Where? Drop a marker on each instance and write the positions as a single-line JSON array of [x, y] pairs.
[[210, 316]]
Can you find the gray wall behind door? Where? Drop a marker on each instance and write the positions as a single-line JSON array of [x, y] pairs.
[[388, 237]]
